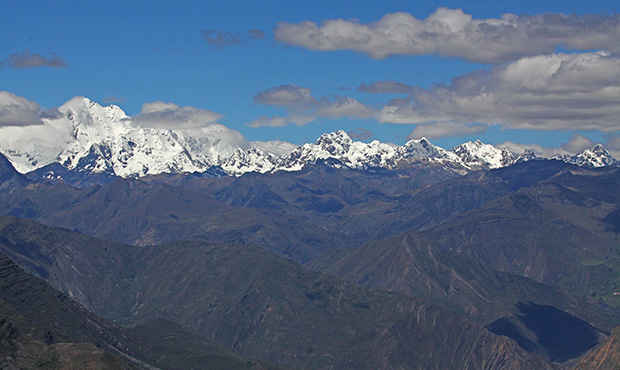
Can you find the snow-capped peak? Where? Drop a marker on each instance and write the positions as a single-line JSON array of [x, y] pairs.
[[479, 155], [251, 160], [422, 148], [90, 138], [597, 156], [335, 143]]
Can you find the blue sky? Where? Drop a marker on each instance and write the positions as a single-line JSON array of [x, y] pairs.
[[256, 64]]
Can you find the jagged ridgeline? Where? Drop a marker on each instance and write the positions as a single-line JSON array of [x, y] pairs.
[[102, 142], [404, 257]]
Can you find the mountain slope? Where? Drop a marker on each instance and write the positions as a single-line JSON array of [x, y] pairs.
[[604, 357], [263, 306], [49, 328], [297, 214], [415, 265], [548, 232]]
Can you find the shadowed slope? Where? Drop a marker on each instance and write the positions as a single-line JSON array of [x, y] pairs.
[[263, 306]]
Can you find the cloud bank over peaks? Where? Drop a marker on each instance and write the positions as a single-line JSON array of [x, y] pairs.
[[453, 33], [565, 91], [18, 111]]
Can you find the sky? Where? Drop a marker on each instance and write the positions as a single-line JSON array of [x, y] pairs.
[[537, 74]]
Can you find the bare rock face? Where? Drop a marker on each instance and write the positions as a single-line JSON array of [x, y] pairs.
[[604, 357]]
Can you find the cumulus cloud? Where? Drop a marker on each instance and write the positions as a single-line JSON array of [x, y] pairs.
[[612, 144], [285, 95], [453, 33], [385, 87], [434, 131], [279, 121], [360, 134], [171, 116], [18, 111], [29, 60], [344, 107], [577, 144], [219, 39], [549, 92]]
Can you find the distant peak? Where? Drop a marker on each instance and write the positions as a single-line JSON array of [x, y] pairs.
[[423, 140], [338, 136]]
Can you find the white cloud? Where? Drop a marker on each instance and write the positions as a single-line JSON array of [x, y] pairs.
[[453, 33], [171, 116], [25, 128], [434, 131], [612, 144], [551, 92], [577, 144], [18, 111]]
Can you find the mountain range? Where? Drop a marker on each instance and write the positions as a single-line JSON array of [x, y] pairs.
[[180, 249], [100, 143]]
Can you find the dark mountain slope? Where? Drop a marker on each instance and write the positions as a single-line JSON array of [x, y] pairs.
[[548, 232], [40, 326], [604, 357], [133, 212], [263, 306], [297, 214], [8, 172], [415, 265]]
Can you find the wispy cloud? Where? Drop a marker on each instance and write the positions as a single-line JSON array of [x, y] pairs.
[[385, 87], [219, 38], [29, 60], [453, 33], [576, 91]]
